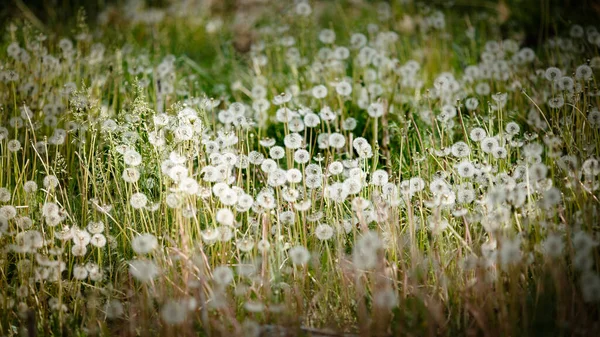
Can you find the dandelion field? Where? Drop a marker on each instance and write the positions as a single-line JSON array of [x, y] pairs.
[[299, 168]]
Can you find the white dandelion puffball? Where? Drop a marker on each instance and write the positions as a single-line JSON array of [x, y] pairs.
[[144, 243], [138, 200], [225, 217], [299, 255], [143, 270], [324, 232], [174, 312], [223, 275]]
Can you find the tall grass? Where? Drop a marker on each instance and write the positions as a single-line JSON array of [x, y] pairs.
[[298, 169]]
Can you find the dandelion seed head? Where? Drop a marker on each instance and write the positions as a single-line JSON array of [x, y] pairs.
[[299, 255], [144, 243], [223, 275], [143, 270], [138, 200], [174, 312], [324, 232]]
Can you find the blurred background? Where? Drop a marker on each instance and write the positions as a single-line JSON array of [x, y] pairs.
[[539, 17]]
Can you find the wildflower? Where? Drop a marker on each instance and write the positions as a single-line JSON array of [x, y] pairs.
[[465, 169], [358, 40], [551, 198], [225, 233], [350, 124], [566, 83], [113, 309], [245, 245], [80, 272], [488, 144], [293, 141], [225, 217], [293, 176], [290, 194], [311, 120], [178, 173], [335, 168], [343, 88], [324, 232], [98, 240], [143, 270], [78, 250], [172, 200], [553, 74], [583, 242], [183, 133], [594, 117], [364, 259], [471, 103], [276, 152], [210, 235], [591, 167], [131, 175], [584, 72], [138, 200], [590, 286], [244, 202], [437, 226], [13, 145], [416, 184], [144, 243], [313, 181], [533, 149], [285, 115], [553, 246], [263, 246], [386, 298], [556, 102], [446, 114], [538, 171], [583, 261], [80, 236], [132, 158], [375, 110], [327, 36], [299, 255], [510, 252], [301, 156], [379, 178], [222, 275], [512, 128], [189, 186], [439, 186], [482, 89], [51, 182], [499, 152], [460, 149], [174, 312], [527, 54], [337, 140], [319, 92], [254, 306], [500, 98], [30, 187], [267, 142], [5, 195], [4, 225], [252, 328], [477, 134]]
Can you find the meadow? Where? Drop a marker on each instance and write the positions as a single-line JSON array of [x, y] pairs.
[[299, 168]]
